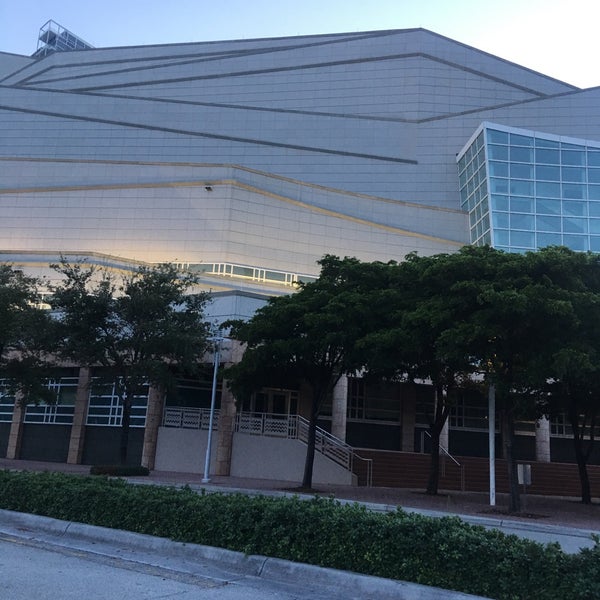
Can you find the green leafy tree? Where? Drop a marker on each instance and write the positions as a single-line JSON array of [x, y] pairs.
[[309, 337], [569, 363], [25, 336], [138, 329], [423, 304], [520, 312]]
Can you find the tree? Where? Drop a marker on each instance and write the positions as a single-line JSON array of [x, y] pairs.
[[309, 336], [25, 336], [569, 364], [423, 305], [137, 329]]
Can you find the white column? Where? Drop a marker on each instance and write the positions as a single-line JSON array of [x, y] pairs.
[[542, 440], [339, 408], [445, 437]]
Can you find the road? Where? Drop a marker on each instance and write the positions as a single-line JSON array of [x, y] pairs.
[[34, 569]]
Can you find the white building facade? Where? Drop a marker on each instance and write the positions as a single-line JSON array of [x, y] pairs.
[[248, 160]]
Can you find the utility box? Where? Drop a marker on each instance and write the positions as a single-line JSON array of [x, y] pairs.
[[524, 474]]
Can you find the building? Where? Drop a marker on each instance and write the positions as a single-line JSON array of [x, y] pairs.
[[247, 160]]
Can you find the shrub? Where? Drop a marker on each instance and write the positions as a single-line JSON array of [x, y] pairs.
[[444, 552], [119, 470]]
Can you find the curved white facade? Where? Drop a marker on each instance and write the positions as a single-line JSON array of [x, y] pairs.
[[258, 154]]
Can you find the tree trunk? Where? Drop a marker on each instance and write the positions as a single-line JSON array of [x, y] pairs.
[[434, 464], [584, 479], [441, 415], [124, 445], [310, 448], [508, 429], [581, 456]]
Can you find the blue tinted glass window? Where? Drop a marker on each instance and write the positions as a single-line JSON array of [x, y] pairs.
[[547, 173], [501, 237], [497, 152], [566, 146], [575, 209], [521, 140], [593, 175], [547, 156], [497, 137], [576, 242], [523, 239], [593, 158], [576, 174], [574, 225], [548, 207], [549, 239], [543, 143], [499, 186], [498, 169], [518, 221], [548, 190], [594, 209], [499, 202], [594, 225], [521, 171], [594, 192], [595, 243], [523, 205], [521, 188], [518, 154], [571, 157], [545, 223], [573, 190], [500, 219]]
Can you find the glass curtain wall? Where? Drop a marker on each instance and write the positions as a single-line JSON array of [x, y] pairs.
[[525, 190]]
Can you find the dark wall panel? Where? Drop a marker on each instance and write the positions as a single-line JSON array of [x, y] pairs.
[[562, 450], [45, 442], [4, 433], [370, 435], [101, 445]]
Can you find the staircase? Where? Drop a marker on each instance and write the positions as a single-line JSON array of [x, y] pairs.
[[296, 427]]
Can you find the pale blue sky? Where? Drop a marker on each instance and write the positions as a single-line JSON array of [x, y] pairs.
[[556, 37]]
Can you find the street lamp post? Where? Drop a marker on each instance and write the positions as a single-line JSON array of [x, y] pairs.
[[217, 352]]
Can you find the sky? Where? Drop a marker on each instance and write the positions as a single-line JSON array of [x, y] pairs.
[[556, 37]]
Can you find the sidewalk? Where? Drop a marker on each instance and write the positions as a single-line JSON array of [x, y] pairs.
[[548, 518]]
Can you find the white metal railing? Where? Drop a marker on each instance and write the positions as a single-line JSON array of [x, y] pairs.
[[189, 418], [296, 427]]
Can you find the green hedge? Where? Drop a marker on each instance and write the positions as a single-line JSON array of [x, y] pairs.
[[445, 552]]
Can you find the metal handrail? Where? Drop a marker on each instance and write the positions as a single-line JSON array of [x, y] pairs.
[[296, 427], [460, 466]]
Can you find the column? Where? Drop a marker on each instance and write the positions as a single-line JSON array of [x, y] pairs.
[[225, 430], [542, 440], [13, 449], [445, 437], [154, 413], [339, 408], [82, 396]]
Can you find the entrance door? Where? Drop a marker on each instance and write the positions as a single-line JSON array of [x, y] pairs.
[[275, 402]]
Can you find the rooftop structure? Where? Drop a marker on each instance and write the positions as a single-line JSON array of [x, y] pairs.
[[55, 38]]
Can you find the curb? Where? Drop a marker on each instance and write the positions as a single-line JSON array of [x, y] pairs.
[[28, 526]]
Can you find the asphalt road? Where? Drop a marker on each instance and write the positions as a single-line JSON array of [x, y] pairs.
[[36, 570]]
